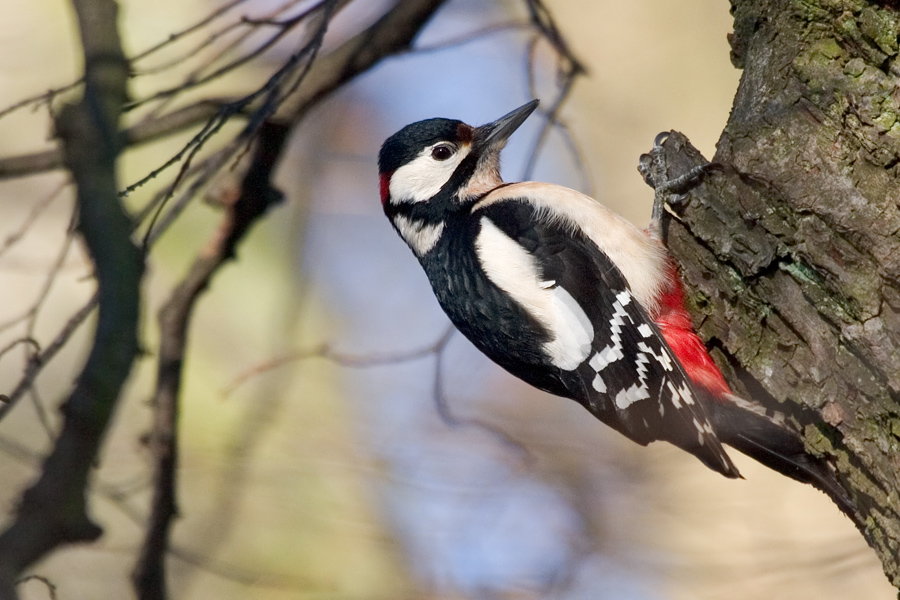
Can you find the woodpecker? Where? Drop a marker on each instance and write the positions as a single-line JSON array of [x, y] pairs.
[[572, 298]]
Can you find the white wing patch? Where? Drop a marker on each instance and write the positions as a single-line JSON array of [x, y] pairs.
[[420, 237], [423, 177], [640, 259], [573, 330], [514, 270]]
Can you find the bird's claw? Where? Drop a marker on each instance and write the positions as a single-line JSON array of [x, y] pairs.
[[660, 138], [654, 168]]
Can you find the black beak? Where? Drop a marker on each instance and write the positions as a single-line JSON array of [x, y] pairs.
[[493, 136]]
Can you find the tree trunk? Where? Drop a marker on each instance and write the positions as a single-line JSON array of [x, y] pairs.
[[791, 251]]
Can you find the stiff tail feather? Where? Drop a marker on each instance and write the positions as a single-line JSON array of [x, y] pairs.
[[769, 441]]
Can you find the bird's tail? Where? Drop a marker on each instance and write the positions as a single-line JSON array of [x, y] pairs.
[[768, 440]]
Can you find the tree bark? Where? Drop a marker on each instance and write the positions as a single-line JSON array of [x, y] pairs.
[[790, 252]]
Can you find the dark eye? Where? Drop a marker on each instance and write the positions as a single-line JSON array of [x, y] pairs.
[[442, 152]]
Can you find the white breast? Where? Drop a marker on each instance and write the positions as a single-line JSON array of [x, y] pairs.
[[641, 260]]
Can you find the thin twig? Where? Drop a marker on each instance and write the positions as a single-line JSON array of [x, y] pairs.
[[43, 417], [569, 68], [118, 497], [30, 341], [257, 196], [551, 118], [356, 361], [469, 37], [48, 96], [37, 361], [13, 238], [442, 406], [49, 280], [268, 91], [38, 99], [228, 48], [187, 30], [52, 511], [197, 81]]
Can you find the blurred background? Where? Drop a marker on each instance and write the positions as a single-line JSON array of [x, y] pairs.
[[340, 474]]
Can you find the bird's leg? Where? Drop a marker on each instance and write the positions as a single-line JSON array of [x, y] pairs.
[[654, 168]]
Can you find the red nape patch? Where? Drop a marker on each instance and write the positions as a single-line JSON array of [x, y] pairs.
[[384, 185], [675, 324]]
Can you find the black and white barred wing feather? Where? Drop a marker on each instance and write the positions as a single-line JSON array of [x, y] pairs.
[[609, 354]]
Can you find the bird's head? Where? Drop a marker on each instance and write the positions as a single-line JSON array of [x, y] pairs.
[[444, 162]]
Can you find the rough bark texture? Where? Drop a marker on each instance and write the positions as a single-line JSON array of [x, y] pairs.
[[791, 251]]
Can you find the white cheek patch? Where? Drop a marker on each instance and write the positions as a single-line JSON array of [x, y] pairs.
[[420, 237], [423, 177], [511, 268]]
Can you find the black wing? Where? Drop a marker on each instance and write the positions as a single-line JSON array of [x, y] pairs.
[[630, 379]]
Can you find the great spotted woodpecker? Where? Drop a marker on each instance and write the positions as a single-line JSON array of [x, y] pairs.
[[572, 298]]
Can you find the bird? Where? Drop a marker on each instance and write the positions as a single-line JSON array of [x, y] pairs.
[[573, 299]]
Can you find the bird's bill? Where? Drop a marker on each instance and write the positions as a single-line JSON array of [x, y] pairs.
[[493, 136]]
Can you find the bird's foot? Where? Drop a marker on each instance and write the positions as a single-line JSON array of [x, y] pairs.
[[654, 169]]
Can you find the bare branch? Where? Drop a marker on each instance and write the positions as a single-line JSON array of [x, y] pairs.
[[472, 36], [257, 196], [213, 112], [48, 96], [118, 495], [188, 30], [40, 359], [53, 511], [569, 68], [436, 349], [356, 361], [390, 35]]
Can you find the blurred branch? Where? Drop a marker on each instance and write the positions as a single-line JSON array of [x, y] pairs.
[[53, 511], [436, 350], [256, 197], [147, 131], [391, 34], [13, 238], [212, 111], [118, 496], [355, 361], [174, 37], [48, 96], [472, 36], [38, 360], [569, 68]]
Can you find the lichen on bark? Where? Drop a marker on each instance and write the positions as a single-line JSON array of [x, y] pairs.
[[791, 252]]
